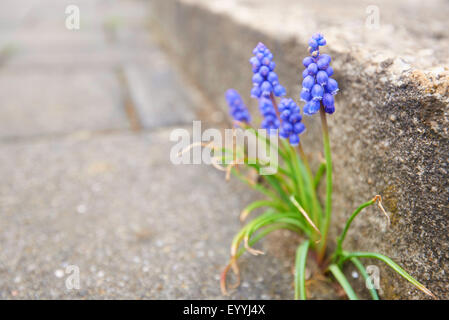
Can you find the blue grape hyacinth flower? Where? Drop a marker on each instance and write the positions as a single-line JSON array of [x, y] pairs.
[[270, 120], [318, 87], [291, 126], [265, 80], [237, 108]]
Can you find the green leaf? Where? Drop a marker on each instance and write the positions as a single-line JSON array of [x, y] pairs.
[[393, 265], [300, 271], [319, 175], [365, 276], [262, 203], [343, 281], [341, 238]]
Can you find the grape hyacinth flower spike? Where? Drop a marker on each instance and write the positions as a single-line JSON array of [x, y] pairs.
[[265, 79], [237, 108], [266, 86], [318, 88], [291, 126]]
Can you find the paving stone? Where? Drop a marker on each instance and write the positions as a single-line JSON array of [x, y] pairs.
[[158, 94], [136, 225], [50, 103]]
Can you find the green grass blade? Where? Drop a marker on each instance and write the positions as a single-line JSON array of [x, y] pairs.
[[343, 281], [319, 175], [341, 238], [261, 203], [300, 271], [393, 265], [365, 276]]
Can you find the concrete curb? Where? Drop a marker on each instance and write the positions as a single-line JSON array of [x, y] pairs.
[[389, 135]]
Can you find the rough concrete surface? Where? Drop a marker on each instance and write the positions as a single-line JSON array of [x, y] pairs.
[[86, 175], [137, 226], [389, 134]]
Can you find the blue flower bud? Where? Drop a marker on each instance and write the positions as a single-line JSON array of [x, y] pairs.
[[332, 86], [305, 95], [272, 65], [317, 92], [296, 117], [312, 68], [266, 61], [313, 43], [308, 82], [311, 107], [285, 115], [322, 42], [322, 64], [287, 127], [294, 139], [328, 100], [264, 70], [307, 61], [330, 109], [254, 60], [256, 92], [266, 88], [326, 58], [299, 128], [279, 90], [283, 134], [321, 77], [257, 78], [329, 71], [272, 76], [305, 73]]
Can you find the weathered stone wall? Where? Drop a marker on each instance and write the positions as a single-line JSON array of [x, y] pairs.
[[390, 132]]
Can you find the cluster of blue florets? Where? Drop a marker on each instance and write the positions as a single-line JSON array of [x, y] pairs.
[[265, 80], [237, 108], [291, 126], [318, 86], [270, 120]]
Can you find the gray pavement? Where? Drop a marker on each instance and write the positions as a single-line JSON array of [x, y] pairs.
[[86, 178]]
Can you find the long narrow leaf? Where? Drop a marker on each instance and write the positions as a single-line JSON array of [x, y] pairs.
[[393, 265], [262, 203], [365, 276], [343, 281], [300, 271]]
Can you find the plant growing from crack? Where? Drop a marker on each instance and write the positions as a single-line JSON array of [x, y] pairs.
[[293, 201]]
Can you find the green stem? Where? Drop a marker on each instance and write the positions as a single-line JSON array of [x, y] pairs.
[[341, 238], [315, 210], [328, 157], [365, 276], [294, 164], [343, 281], [300, 274]]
